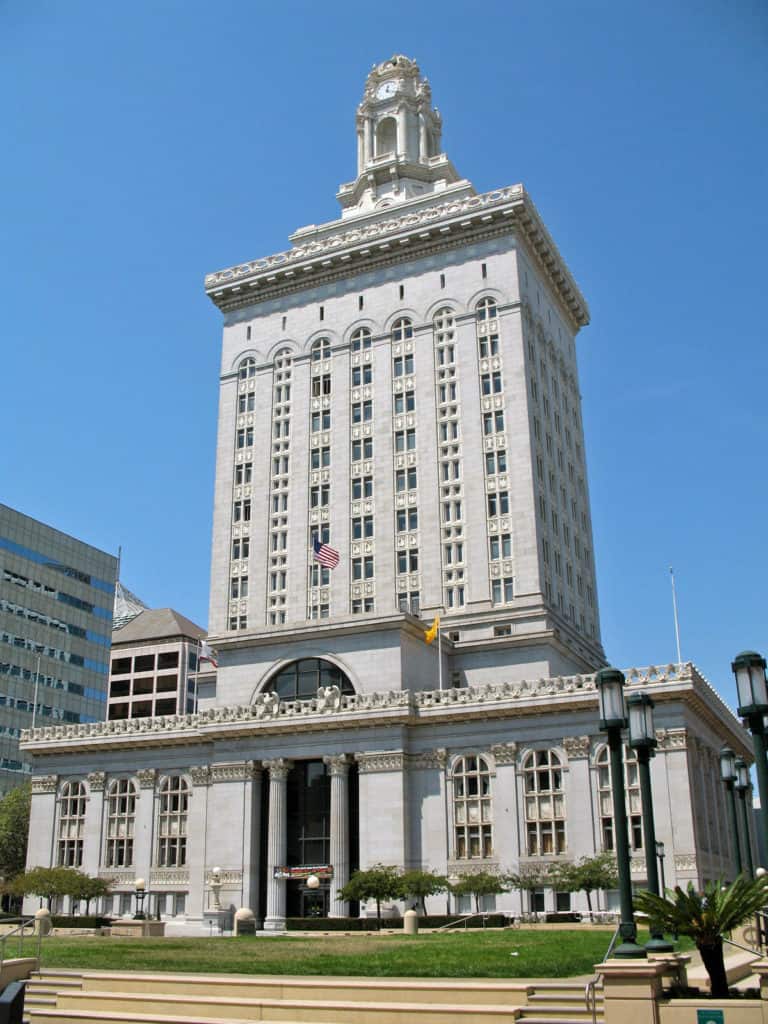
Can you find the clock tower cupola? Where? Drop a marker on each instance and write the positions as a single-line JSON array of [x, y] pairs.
[[398, 141]]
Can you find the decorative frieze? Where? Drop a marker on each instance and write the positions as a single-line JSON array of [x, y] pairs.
[[576, 746], [637, 865], [278, 768], [393, 761], [97, 781], [469, 867], [121, 878], [146, 777], [235, 771], [672, 739], [429, 759], [44, 783], [200, 774], [685, 862], [168, 876], [226, 877], [504, 754]]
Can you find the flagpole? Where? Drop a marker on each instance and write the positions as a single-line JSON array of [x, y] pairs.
[[439, 659], [674, 609]]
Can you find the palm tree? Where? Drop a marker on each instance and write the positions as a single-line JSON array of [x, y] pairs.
[[706, 917]]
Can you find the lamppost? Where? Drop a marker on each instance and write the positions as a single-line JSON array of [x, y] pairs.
[[141, 891], [660, 855], [728, 777], [749, 670], [610, 687], [742, 788], [642, 739]]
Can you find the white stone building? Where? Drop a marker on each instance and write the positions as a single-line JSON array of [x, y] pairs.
[[400, 385]]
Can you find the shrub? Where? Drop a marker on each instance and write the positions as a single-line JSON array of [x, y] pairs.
[[81, 921]]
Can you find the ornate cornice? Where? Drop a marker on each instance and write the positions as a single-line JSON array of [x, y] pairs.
[[672, 739], [146, 777], [391, 761], [97, 781], [576, 746], [356, 247], [44, 783]]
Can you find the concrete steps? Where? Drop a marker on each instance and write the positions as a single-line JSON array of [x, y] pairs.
[[94, 997]]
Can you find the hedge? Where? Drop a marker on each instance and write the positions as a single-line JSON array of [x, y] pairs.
[[65, 921], [370, 924]]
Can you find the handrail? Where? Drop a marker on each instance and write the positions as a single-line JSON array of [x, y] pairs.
[[19, 930], [590, 989], [738, 945], [463, 920]]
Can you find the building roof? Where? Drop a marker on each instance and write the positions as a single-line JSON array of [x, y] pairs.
[[156, 624], [127, 606]]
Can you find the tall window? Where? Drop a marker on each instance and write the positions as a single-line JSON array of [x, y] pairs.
[[544, 803], [71, 824], [247, 368], [402, 329], [472, 809], [172, 822], [121, 817], [321, 349], [632, 791], [361, 339]]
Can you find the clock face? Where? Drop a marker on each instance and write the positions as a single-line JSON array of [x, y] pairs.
[[386, 89]]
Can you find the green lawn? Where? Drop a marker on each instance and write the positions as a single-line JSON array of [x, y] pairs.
[[494, 954]]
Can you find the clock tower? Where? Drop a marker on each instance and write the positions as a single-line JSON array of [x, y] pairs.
[[398, 142]]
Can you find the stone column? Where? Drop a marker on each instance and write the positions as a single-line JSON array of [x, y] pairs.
[[401, 143], [144, 824], [632, 989], [423, 148], [93, 849], [338, 767], [367, 150], [277, 841]]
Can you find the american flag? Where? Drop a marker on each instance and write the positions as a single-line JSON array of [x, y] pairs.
[[326, 555]]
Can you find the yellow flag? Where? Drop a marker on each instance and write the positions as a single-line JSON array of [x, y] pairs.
[[431, 633]]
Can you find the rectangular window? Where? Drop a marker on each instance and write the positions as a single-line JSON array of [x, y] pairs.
[[402, 365], [320, 458], [362, 449], [320, 496], [243, 473], [320, 420], [362, 487], [362, 375]]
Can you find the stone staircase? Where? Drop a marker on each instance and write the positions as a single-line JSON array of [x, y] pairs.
[[98, 997]]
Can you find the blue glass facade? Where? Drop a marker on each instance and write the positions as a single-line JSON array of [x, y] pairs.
[[56, 600]]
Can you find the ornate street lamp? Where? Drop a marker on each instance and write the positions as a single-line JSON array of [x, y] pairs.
[[610, 687], [642, 739], [141, 891], [742, 788], [728, 776], [660, 855], [749, 670]]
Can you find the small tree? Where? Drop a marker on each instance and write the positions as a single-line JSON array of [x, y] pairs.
[[87, 888], [587, 875], [420, 884], [14, 830], [477, 884], [706, 917], [526, 879], [47, 883], [380, 882]]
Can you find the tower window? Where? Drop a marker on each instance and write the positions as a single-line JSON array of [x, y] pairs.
[[248, 333], [402, 291], [285, 321], [360, 302], [322, 312], [484, 270], [442, 280]]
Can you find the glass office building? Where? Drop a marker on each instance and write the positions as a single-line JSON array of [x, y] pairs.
[[56, 604]]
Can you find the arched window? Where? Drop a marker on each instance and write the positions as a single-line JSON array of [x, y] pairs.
[[632, 794], [486, 309], [121, 817], [71, 824], [544, 803], [386, 136], [472, 809], [321, 349], [302, 679], [172, 822], [361, 339], [247, 368], [402, 329]]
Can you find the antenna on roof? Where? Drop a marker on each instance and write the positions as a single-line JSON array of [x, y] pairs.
[[674, 609], [119, 560]]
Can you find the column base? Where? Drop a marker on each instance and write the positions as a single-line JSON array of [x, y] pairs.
[[274, 924]]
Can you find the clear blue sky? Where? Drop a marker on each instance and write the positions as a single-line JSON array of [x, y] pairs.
[[148, 143]]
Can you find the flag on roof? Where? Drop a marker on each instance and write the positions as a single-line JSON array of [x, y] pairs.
[[431, 633], [325, 554]]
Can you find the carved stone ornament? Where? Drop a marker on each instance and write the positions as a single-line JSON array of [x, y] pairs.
[[200, 774], [118, 877], [234, 771], [168, 876], [637, 865], [672, 739], [230, 878], [504, 753], [337, 764], [97, 781], [44, 783], [146, 777], [278, 768], [429, 759], [576, 746], [386, 762], [685, 862]]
